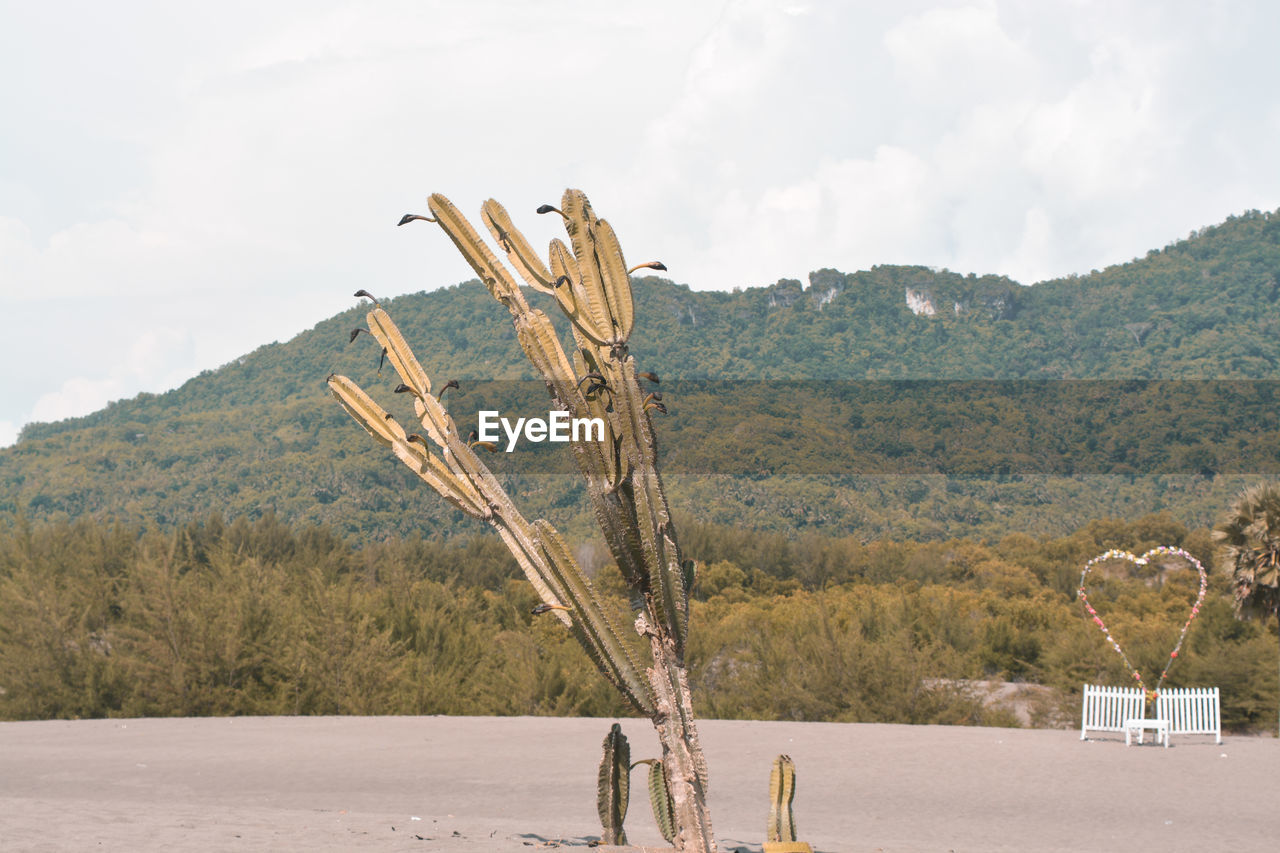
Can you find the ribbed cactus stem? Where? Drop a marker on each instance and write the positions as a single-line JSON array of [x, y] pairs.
[[614, 788], [782, 790], [660, 798]]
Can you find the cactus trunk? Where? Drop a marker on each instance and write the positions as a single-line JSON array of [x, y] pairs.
[[682, 757]]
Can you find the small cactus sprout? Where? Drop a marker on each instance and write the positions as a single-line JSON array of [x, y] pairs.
[[614, 790], [660, 798], [781, 834], [782, 790]]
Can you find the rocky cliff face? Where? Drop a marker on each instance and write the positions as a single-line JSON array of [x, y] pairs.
[[921, 302], [991, 297]]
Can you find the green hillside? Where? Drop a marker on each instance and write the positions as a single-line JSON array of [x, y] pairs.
[[817, 447]]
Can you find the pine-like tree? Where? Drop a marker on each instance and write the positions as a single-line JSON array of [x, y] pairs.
[[1250, 539]]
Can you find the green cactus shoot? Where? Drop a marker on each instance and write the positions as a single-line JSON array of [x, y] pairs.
[[781, 834], [613, 793], [596, 378]]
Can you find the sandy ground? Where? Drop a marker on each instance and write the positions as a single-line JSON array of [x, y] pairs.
[[522, 784]]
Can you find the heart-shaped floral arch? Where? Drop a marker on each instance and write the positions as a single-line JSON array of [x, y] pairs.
[[1162, 551]]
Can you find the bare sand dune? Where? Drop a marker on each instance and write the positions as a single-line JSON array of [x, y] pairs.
[[521, 784]]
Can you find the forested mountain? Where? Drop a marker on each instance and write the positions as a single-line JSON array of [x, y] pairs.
[[788, 429]]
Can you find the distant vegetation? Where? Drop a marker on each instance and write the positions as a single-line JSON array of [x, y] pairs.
[[232, 547], [261, 618]]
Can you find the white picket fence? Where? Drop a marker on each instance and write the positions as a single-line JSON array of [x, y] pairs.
[[1191, 711], [1186, 710], [1107, 708]]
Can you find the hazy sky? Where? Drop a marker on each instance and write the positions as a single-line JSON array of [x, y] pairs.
[[181, 183]]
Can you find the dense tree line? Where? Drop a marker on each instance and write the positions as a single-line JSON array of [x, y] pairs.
[[255, 617], [806, 441]]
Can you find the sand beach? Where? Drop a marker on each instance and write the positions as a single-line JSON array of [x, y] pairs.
[[523, 784]]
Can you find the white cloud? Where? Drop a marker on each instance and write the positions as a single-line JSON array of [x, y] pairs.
[[959, 55], [75, 397], [148, 362]]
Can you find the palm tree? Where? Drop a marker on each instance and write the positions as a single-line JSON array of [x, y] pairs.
[[1250, 540]]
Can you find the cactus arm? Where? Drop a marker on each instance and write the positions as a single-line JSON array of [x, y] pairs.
[[570, 295], [434, 419], [432, 415], [612, 515], [494, 275], [375, 419], [437, 475], [597, 405], [538, 339], [660, 800], [599, 637], [664, 595], [382, 426], [598, 460], [661, 556], [521, 547], [402, 358], [580, 224], [613, 792], [519, 252], [614, 279]]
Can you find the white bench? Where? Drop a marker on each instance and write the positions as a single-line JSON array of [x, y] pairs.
[[1191, 711], [1160, 727], [1107, 709], [1184, 710]]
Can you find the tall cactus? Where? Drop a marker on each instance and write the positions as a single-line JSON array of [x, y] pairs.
[[591, 286]]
